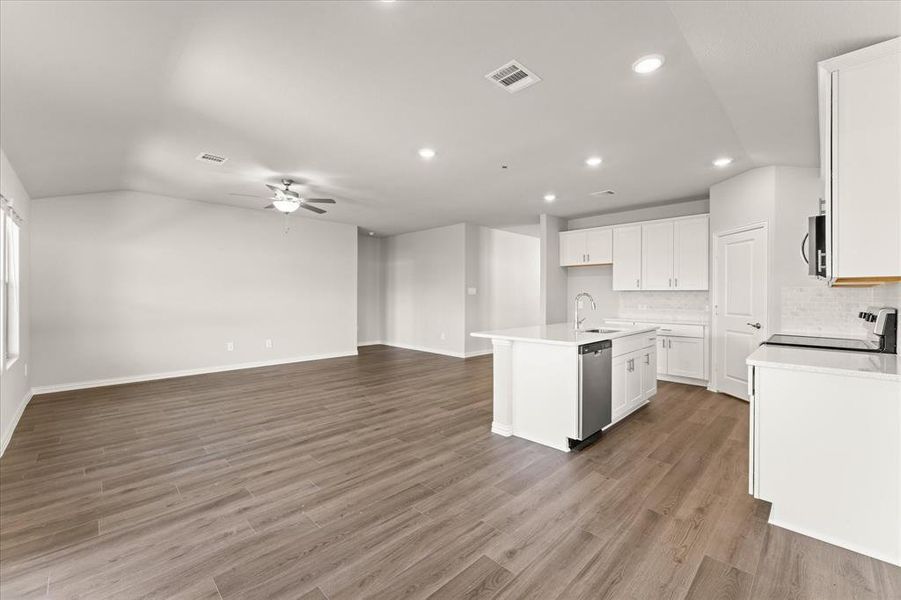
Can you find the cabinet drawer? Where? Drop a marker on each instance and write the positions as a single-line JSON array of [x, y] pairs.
[[676, 329], [625, 345]]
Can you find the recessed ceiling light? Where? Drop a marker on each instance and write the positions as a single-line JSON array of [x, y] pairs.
[[648, 64], [426, 153], [723, 161], [593, 161], [549, 197], [371, 233]]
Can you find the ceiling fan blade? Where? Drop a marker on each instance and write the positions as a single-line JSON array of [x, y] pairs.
[[245, 195], [313, 208], [274, 188], [281, 192], [320, 200], [271, 206]]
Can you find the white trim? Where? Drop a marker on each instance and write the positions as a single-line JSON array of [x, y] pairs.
[[892, 560], [504, 430], [472, 353], [11, 427], [371, 343], [680, 379], [426, 349], [65, 387], [715, 367]]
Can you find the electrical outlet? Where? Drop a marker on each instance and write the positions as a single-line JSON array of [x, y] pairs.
[[230, 346], [269, 343]]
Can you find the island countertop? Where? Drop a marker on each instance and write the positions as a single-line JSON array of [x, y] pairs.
[[561, 334]]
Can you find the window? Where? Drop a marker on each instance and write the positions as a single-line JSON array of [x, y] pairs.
[[10, 298]]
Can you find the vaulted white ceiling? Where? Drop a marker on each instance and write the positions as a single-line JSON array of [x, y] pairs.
[[99, 96]]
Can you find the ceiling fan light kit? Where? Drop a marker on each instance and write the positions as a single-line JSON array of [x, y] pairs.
[[287, 200]]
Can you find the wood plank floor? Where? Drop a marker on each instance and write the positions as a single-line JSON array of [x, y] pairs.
[[377, 477]]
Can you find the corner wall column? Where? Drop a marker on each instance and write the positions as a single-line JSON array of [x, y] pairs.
[[502, 421]]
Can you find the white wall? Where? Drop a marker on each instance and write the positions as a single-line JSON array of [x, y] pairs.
[[508, 284], [131, 285], [424, 282], [553, 276], [665, 211], [15, 382], [370, 291]]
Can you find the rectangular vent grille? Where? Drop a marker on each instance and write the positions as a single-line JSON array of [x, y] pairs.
[[513, 77], [211, 158]]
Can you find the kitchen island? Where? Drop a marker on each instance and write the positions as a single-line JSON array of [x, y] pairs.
[[539, 374]]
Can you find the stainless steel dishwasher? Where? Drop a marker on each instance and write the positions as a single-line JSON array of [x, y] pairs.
[[595, 397]]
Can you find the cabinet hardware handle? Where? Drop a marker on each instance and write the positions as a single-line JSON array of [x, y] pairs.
[[638, 283], [647, 359], [669, 282], [588, 257], [676, 280], [669, 344]]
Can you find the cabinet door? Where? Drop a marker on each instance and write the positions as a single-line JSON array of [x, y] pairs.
[[690, 254], [618, 399], [866, 212], [599, 246], [627, 257], [661, 354], [572, 248], [633, 380], [648, 367], [685, 357], [657, 256]]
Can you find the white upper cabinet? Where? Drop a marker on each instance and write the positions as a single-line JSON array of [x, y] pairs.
[[690, 254], [667, 254], [627, 257], [657, 255], [599, 245], [860, 129], [586, 247]]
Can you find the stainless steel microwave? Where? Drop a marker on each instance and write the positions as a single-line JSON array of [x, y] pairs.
[[813, 249]]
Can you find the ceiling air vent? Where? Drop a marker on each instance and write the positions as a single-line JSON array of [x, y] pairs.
[[214, 159], [513, 77]]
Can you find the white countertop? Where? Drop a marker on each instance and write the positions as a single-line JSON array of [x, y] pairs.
[[561, 334], [840, 362]]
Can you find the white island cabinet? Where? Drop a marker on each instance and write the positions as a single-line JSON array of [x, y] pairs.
[[825, 445], [538, 376]]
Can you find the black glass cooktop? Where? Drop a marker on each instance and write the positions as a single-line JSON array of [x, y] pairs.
[[828, 343]]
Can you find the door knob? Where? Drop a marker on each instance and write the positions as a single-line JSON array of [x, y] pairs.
[[755, 325]]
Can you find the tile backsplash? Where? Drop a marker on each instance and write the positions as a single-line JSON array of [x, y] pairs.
[[833, 310], [665, 305]]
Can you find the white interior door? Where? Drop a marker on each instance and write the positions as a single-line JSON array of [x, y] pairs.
[[740, 306], [657, 256]]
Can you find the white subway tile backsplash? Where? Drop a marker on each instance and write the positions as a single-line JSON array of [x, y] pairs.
[[832, 310], [664, 305]]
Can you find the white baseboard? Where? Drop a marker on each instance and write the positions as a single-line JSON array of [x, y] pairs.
[[372, 343], [854, 547], [479, 353], [685, 380], [81, 385], [11, 426], [426, 349], [504, 430]]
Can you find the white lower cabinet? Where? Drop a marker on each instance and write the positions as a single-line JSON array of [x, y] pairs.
[[634, 380], [685, 357]]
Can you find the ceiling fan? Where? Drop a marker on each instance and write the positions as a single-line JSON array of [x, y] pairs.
[[287, 200]]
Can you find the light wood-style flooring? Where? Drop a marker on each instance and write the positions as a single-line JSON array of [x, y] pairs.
[[377, 477]]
